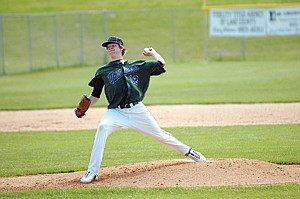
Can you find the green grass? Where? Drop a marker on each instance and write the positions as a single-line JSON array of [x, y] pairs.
[[184, 83], [31, 6], [65, 151], [270, 191], [48, 152]]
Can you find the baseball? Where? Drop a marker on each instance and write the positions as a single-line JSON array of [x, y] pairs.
[[147, 51]]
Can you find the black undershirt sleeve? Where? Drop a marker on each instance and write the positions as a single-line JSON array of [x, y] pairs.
[[97, 83], [96, 92]]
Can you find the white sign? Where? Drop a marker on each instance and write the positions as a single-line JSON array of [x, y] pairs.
[[283, 21], [237, 22]]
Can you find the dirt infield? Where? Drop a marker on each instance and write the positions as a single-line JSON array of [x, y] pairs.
[[166, 116], [171, 173]]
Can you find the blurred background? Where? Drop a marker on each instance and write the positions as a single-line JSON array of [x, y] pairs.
[[36, 35]]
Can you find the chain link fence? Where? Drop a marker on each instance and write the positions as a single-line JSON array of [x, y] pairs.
[[38, 41], [32, 42]]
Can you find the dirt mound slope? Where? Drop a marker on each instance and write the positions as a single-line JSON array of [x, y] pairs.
[[170, 173]]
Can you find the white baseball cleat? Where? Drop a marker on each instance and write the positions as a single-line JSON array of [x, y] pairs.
[[196, 156], [89, 177]]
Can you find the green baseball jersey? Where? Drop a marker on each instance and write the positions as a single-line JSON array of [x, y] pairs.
[[125, 82]]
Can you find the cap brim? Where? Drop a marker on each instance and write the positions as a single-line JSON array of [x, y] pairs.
[[109, 42], [104, 44]]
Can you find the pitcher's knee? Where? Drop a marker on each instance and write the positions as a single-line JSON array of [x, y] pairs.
[[104, 128]]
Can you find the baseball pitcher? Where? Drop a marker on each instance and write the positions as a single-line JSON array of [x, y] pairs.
[[125, 84]]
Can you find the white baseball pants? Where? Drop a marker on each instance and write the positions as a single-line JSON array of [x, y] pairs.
[[138, 118]]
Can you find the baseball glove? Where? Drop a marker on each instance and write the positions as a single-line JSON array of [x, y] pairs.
[[82, 107]]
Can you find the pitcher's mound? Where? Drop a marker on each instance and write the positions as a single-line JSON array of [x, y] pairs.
[[167, 173]]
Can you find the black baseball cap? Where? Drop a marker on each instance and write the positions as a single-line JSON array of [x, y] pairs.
[[113, 39]]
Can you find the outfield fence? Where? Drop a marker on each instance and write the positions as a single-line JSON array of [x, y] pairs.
[[32, 42]]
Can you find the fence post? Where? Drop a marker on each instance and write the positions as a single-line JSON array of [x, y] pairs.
[[174, 35], [2, 44], [56, 40], [205, 45], [81, 41], [104, 18], [30, 42]]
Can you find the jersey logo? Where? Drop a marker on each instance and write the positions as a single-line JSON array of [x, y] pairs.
[[114, 76], [130, 70]]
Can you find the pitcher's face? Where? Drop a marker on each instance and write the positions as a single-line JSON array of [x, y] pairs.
[[114, 50]]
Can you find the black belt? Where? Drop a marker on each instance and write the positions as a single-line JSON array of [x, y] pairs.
[[129, 105]]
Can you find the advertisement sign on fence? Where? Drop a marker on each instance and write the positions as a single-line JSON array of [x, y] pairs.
[[283, 21], [237, 22], [255, 21]]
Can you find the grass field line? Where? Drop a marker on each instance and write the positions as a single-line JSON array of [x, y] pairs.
[[166, 116]]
